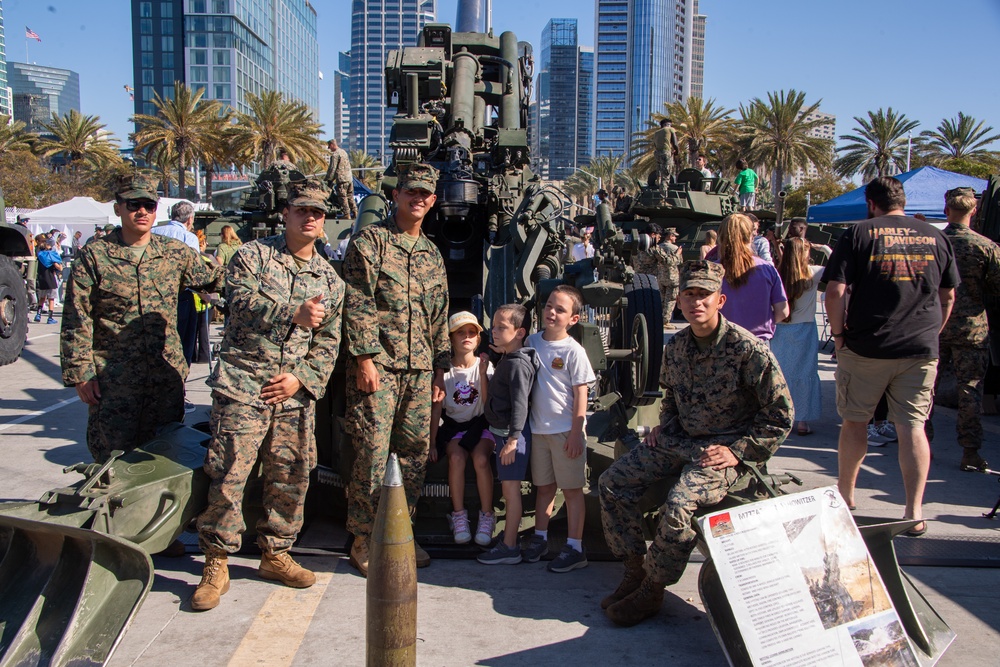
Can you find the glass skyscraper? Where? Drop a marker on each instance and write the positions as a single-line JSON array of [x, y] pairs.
[[377, 27], [5, 105], [39, 92], [342, 98], [228, 48], [643, 55]]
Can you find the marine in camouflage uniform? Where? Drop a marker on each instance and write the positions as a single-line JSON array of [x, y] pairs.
[[340, 180], [664, 149], [726, 390], [645, 260], [396, 318], [266, 286], [964, 339], [120, 346], [668, 261]]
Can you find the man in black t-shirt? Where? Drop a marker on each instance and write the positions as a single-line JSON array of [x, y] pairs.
[[902, 277]]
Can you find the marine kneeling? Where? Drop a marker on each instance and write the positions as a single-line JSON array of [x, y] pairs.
[[725, 401], [278, 351]]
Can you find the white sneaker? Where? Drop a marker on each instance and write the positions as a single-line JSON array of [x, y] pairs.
[[484, 532], [459, 524]]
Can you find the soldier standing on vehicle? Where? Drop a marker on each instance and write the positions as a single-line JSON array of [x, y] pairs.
[[725, 402], [339, 179], [396, 322], [279, 349], [964, 338], [668, 261], [120, 347], [665, 149]]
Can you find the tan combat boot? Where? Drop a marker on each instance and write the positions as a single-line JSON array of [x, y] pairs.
[[359, 555], [422, 557], [214, 583], [640, 605], [281, 567], [634, 575]]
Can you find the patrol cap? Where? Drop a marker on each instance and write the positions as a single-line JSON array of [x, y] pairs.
[[417, 176], [702, 273], [136, 186], [309, 193], [460, 319], [670, 231], [108, 228]]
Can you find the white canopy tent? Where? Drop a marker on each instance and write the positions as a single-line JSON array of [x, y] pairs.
[[83, 214]]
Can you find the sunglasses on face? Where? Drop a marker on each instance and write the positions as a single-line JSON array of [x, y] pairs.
[[134, 205]]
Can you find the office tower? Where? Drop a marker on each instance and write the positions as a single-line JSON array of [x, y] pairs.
[[39, 92], [698, 54], [377, 27], [564, 98], [643, 51], [827, 130], [228, 48], [5, 104], [342, 100]]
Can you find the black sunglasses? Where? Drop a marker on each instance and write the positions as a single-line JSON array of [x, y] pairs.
[[134, 205]]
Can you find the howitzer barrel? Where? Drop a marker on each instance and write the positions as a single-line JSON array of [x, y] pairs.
[[391, 637], [470, 16], [510, 111], [463, 92]]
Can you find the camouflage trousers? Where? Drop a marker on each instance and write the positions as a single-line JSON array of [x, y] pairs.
[[128, 415], [969, 365], [664, 167], [284, 443], [395, 419], [668, 297], [622, 487], [345, 198]]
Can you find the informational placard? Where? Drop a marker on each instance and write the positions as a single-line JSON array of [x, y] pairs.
[[802, 584]]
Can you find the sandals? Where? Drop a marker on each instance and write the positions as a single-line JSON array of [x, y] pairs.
[[915, 532], [804, 431]]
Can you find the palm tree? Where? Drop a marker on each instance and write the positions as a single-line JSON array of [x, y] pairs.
[[80, 140], [274, 122], [185, 121], [781, 134], [879, 143], [698, 123], [606, 168], [12, 136], [963, 138], [369, 169], [161, 158], [217, 151]]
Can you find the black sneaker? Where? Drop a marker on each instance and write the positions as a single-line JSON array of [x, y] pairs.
[[189, 407], [534, 549], [501, 554], [568, 559]]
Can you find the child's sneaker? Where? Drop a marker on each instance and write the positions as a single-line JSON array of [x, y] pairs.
[[459, 523], [535, 549], [51, 320], [568, 559], [484, 533], [501, 554], [38, 315]]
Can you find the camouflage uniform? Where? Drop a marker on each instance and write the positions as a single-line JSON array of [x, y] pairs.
[[732, 394], [668, 262], [396, 309], [341, 181], [120, 327], [265, 286], [963, 342], [664, 147], [645, 262]]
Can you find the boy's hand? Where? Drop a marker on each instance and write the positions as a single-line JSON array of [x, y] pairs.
[[437, 388], [575, 444], [432, 453], [498, 350], [508, 452], [484, 359]]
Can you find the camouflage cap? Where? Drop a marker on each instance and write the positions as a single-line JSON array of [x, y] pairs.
[[108, 228], [702, 273], [310, 193], [670, 231], [417, 176], [136, 186]]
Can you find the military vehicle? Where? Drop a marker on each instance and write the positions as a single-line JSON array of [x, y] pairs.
[[14, 245]]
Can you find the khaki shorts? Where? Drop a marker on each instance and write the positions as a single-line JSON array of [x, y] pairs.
[[908, 385], [550, 465]]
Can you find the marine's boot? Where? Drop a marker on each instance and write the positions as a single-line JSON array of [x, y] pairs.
[[423, 558], [214, 583], [634, 575], [359, 555], [282, 567], [972, 461], [643, 603]]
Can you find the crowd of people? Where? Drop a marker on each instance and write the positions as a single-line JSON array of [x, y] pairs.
[[735, 382]]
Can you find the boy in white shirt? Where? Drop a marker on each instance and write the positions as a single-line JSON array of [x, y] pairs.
[[558, 424]]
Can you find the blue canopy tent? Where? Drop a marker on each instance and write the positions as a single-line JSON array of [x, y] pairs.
[[924, 187]]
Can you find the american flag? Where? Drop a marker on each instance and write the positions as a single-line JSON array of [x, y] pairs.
[[31, 34]]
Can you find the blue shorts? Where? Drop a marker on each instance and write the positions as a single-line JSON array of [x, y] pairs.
[[518, 470]]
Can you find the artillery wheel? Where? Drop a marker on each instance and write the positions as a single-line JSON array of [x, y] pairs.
[[13, 311], [639, 327]]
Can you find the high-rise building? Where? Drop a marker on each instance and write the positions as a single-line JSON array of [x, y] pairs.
[[643, 58], [377, 27], [564, 100], [342, 98], [39, 92], [698, 54], [825, 130], [5, 103], [227, 48]]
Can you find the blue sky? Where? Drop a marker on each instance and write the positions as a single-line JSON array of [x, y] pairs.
[[925, 58]]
